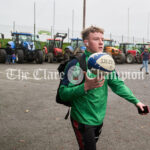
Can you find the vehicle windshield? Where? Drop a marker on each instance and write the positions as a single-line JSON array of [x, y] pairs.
[[142, 46], [109, 43], [75, 42], [23, 38], [130, 47], [57, 43]]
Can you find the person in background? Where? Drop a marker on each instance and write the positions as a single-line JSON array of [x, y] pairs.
[[145, 57], [9, 55], [13, 58]]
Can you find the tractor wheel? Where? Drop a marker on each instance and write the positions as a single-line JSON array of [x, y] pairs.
[[2, 56], [120, 58], [130, 59], [19, 56], [39, 57], [138, 59], [50, 57]]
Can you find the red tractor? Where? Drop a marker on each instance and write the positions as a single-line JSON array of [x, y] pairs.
[[53, 49], [132, 54]]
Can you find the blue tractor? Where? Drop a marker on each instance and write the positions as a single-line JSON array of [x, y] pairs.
[[76, 48], [23, 46]]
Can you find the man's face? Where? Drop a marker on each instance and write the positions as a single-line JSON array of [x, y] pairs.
[[145, 50], [95, 42]]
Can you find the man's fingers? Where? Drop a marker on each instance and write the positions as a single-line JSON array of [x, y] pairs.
[[98, 84], [148, 109], [91, 83], [141, 108], [86, 76], [99, 78]]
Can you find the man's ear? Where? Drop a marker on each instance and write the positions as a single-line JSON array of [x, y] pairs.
[[86, 42]]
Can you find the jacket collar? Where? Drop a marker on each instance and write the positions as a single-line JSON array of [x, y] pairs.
[[87, 53]]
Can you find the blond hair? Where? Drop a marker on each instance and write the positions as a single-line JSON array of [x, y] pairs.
[[85, 33]]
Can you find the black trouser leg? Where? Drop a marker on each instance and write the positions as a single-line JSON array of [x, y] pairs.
[[86, 135]]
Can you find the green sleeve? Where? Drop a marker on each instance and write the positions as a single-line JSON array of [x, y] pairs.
[[118, 87], [70, 93]]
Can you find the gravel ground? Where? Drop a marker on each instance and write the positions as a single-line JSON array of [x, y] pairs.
[[30, 119]]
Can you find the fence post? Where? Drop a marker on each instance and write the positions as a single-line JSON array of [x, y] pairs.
[[133, 39], [51, 32], [122, 38], [110, 36], [68, 34]]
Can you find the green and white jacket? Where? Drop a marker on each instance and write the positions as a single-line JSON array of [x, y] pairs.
[[90, 107]]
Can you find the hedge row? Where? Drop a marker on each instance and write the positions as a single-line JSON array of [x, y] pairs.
[[5, 41]]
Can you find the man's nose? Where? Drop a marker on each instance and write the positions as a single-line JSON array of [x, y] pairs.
[[101, 42]]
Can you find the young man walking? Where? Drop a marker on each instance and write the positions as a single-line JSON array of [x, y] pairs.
[[89, 99], [145, 57]]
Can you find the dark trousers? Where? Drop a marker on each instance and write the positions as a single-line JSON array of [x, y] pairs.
[[87, 135], [9, 58]]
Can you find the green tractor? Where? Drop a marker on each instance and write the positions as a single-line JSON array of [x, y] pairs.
[[2, 49], [141, 46]]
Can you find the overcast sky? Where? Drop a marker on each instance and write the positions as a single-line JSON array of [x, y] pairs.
[[112, 15]]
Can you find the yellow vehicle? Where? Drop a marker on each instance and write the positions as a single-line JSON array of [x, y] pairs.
[[109, 47]]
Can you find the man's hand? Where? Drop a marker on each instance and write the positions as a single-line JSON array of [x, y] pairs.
[[93, 83], [140, 106]]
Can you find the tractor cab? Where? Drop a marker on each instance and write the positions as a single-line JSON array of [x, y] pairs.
[[54, 48], [23, 41], [75, 48], [108, 42], [77, 43], [142, 46], [56, 43], [110, 48], [126, 47], [53, 43]]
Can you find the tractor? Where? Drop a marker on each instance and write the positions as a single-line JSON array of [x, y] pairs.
[[75, 48], [131, 52], [2, 49], [23, 45], [53, 51], [141, 46], [109, 47]]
